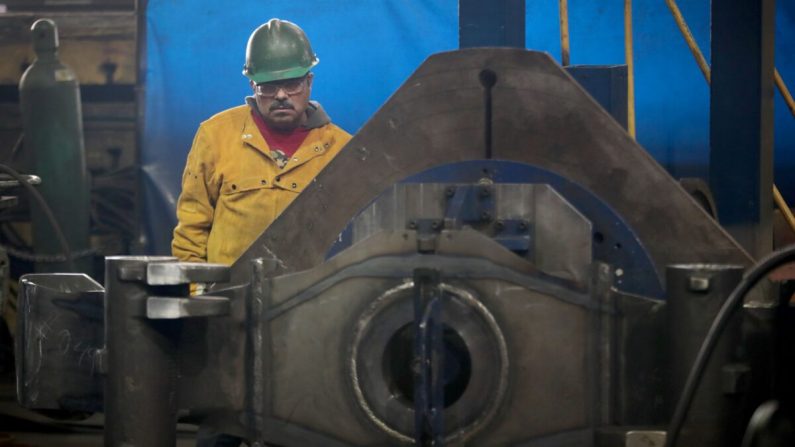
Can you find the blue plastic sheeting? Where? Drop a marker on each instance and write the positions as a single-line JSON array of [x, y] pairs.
[[195, 53]]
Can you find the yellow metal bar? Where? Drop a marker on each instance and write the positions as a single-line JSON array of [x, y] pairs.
[[564, 33], [782, 88], [782, 205], [630, 67], [691, 41]]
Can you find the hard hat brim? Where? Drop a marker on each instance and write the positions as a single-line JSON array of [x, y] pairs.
[[269, 76]]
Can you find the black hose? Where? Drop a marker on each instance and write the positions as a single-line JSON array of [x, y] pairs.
[[734, 302], [66, 251]]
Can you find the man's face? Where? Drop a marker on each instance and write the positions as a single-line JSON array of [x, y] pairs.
[[282, 104]]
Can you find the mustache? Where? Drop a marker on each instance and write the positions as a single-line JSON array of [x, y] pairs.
[[280, 105]]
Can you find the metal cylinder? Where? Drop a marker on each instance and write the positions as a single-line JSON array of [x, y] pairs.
[[52, 123], [696, 293], [140, 388]]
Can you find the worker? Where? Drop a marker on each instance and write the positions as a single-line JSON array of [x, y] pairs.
[[248, 163]]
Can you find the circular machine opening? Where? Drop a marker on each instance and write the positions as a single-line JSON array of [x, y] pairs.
[[399, 356]]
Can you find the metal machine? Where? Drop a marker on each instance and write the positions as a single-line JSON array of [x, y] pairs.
[[491, 261]]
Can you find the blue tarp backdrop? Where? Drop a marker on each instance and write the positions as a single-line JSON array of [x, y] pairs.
[[195, 54]]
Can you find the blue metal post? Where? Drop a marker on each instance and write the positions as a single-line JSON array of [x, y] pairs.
[[741, 119], [496, 23], [608, 86]]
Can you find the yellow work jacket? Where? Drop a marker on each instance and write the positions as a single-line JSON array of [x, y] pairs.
[[232, 187]]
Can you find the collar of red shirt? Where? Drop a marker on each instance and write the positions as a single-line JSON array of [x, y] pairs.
[[285, 142]]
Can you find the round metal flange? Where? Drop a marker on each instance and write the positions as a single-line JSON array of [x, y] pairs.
[[476, 363]]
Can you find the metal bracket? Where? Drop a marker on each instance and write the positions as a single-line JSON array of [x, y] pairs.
[[166, 271], [427, 233], [514, 234], [171, 308], [469, 204], [178, 273]]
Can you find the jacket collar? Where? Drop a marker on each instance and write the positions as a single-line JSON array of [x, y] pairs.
[[315, 114], [316, 143]]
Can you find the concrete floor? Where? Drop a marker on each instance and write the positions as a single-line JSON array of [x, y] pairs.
[[20, 427]]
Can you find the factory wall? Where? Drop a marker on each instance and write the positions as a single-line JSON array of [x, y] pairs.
[[195, 52]]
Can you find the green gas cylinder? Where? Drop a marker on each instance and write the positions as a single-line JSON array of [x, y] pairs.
[[49, 96]]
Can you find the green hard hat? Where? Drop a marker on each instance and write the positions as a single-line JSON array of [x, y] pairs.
[[278, 50]]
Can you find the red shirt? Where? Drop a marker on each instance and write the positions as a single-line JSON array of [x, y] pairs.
[[285, 142]]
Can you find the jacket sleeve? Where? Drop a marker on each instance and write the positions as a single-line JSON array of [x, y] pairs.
[[196, 203]]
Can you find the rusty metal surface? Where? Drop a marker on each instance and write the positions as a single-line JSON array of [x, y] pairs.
[[539, 115]]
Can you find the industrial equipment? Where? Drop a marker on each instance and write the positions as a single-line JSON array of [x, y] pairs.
[[491, 261]]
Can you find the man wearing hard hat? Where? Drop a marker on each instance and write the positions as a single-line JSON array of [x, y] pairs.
[[248, 163]]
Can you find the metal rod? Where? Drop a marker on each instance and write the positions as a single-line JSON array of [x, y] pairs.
[[691, 41], [782, 88], [565, 53], [785, 209], [427, 363], [628, 55]]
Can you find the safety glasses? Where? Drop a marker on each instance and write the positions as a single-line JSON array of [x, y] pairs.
[[290, 86]]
